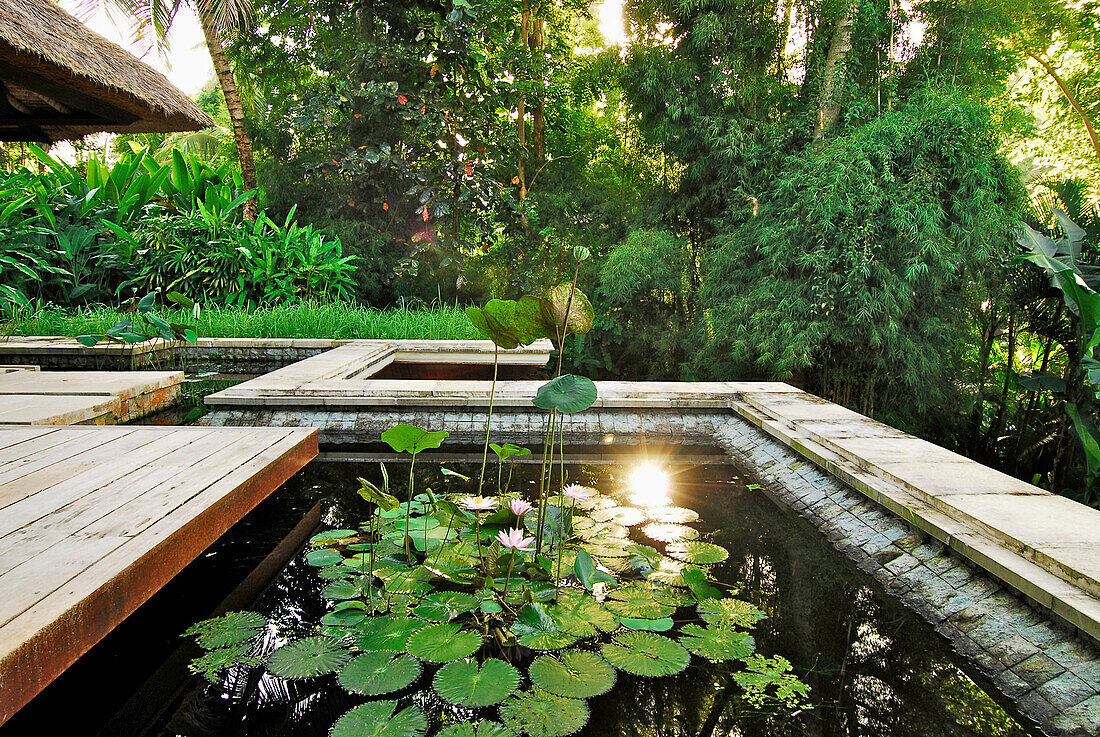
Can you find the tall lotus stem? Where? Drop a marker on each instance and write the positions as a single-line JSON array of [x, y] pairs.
[[488, 422], [544, 482], [408, 508], [373, 543], [477, 534], [508, 577]]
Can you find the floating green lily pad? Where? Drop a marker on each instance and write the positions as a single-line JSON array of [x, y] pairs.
[[646, 654], [374, 674], [541, 714], [697, 552], [575, 674], [377, 719], [443, 643], [312, 656], [464, 683]]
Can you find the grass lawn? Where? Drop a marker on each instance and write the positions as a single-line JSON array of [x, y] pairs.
[[303, 320]]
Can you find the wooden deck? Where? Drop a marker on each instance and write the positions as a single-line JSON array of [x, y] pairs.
[[95, 520]]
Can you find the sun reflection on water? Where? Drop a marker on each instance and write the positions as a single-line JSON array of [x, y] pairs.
[[649, 486]]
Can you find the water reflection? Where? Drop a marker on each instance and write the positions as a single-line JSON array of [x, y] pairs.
[[875, 669]]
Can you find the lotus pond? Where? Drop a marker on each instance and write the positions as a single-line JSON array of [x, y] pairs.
[[677, 600]]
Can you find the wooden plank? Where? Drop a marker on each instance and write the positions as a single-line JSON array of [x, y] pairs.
[[122, 384], [10, 436], [22, 501], [41, 642], [51, 459], [174, 471]]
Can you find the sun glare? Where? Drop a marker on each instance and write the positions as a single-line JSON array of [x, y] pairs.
[[609, 13], [649, 486]]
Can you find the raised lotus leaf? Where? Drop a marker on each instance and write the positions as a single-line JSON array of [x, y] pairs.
[[698, 552], [387, 634], [443, 606], [575, 674], [716, 644], [674, 515], [309, 657], [377, 719], [484, 728], [628, 516], [374, 674], [443, 643], [729, 613], [646, 654], [464, 683], [541, 714], [229, 629], [567, 394], [565, 302], [411, 439], [212, 663], [581, 615], [664, 624], [667, 532]]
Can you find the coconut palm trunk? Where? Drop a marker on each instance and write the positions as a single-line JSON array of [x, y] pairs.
[[232, 102]]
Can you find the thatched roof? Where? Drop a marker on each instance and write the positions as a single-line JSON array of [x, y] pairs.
[[59, 80]]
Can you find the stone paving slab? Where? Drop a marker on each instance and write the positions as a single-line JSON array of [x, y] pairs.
[[86, 397], [38, 409]]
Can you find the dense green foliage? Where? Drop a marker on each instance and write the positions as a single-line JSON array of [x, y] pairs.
[[111, 232], [821, 192]]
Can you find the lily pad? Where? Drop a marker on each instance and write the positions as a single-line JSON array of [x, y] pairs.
[[374, 674], [313, 656], [464, 683], [646, 654], [387, 634], [229, 629], [667, 532], [443, 643], [542, 714], [443, 606], [729, 613], [716, 644], [377, 719], [697, 552], [575, 674]]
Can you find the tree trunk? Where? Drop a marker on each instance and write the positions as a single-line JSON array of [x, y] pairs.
[[828, 111], [233, 104], [538, 114], [521, 106], [1072, 100]]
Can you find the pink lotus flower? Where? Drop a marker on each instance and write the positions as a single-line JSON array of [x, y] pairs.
[[520, 507], [515, 540], [576, 492], [477, 503]]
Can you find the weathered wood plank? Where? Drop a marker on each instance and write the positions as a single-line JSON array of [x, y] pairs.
[[132, 554]]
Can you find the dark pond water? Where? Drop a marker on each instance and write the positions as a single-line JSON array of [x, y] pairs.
[[874, 667]]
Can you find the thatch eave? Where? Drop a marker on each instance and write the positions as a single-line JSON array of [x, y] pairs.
[[59, 80]]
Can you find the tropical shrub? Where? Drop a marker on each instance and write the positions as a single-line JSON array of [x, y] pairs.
[[858, 275], [106, 233]]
